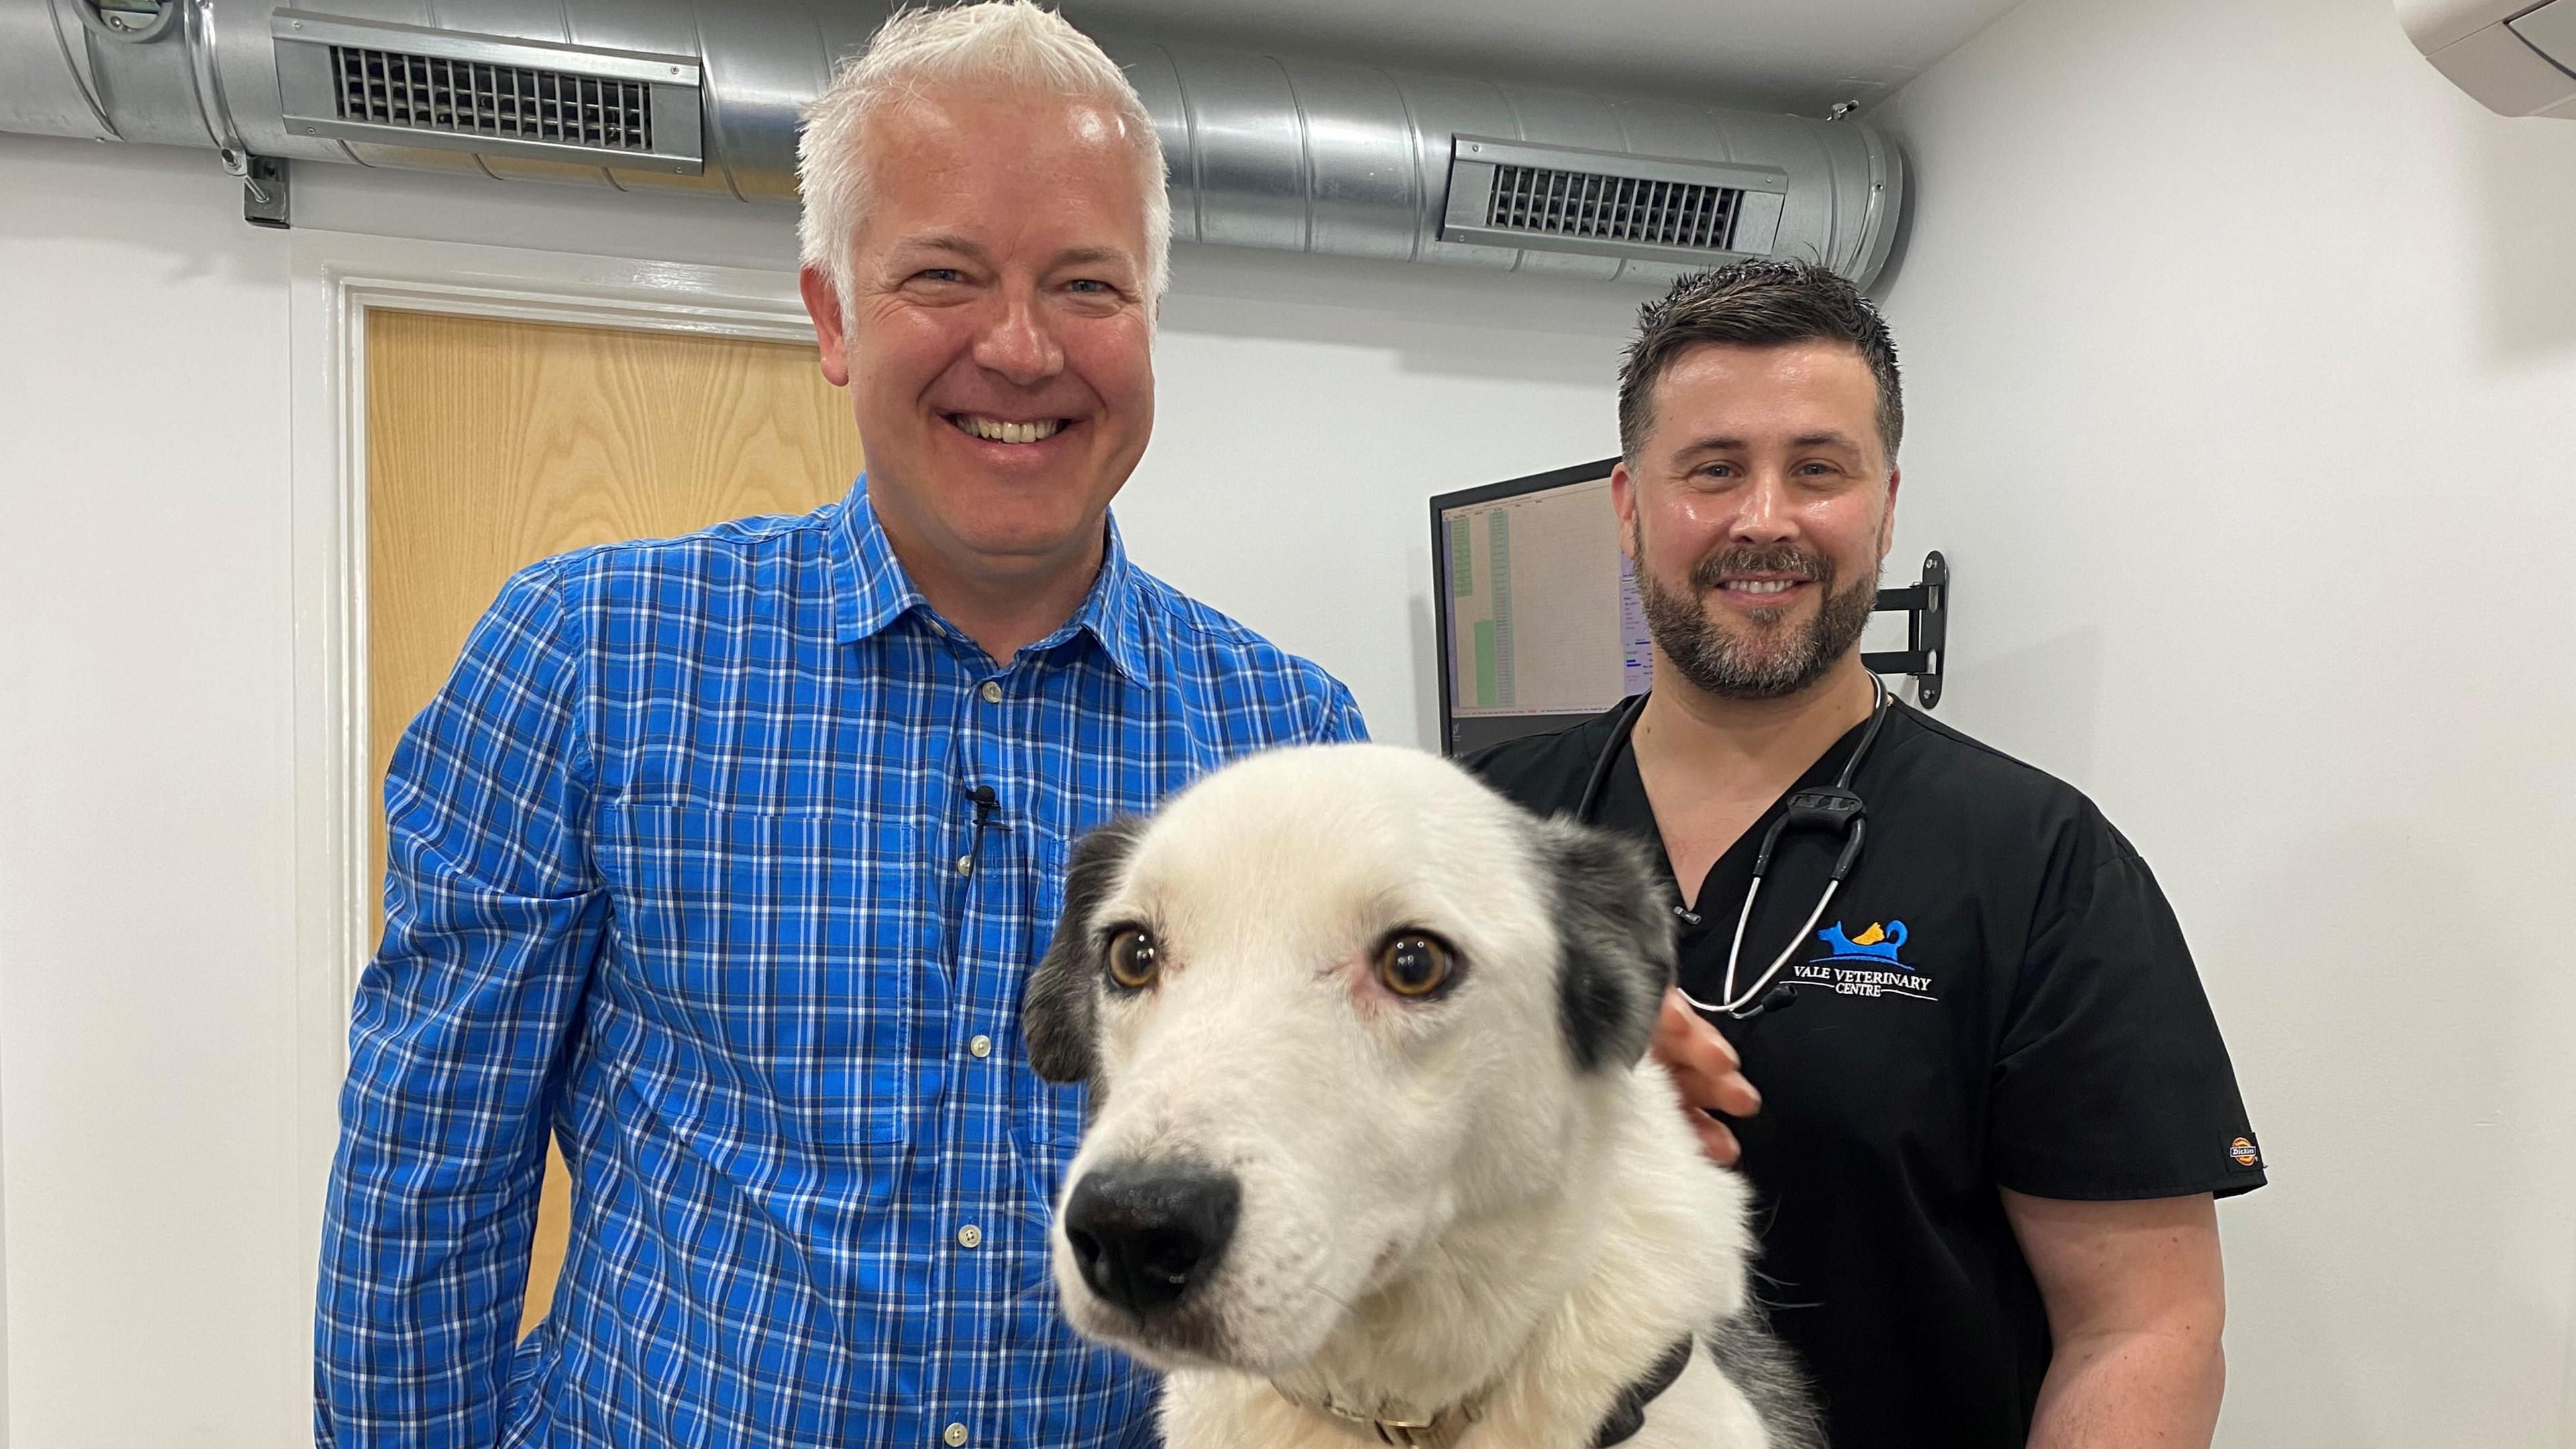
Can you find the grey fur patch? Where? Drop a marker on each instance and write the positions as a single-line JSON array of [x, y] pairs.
[[1767, 1372], [1057, 1009], [1615, 935]]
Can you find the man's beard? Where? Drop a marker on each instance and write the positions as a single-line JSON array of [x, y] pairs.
[[1767, 661]]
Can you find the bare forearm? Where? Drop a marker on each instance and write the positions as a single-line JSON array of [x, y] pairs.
[[2134, 1390]]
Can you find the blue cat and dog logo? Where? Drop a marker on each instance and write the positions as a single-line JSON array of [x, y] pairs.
[[1866, 964], [1878, 944]]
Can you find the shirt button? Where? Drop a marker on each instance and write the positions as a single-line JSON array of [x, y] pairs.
[[970, 1236], [953, 1435], [981, 1046], [965, 865], [992, 695]]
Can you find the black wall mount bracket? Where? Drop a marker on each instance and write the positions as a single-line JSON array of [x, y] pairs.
[[1926, 607]]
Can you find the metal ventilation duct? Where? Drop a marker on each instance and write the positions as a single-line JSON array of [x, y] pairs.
[[1265, 150]]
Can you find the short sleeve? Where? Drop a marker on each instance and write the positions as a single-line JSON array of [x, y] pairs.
[[2112, 1082]]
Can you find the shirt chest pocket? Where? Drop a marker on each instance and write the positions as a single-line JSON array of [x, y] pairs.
[[764, 949]]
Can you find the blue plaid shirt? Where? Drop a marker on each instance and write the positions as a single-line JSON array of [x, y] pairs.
[[686, 865]]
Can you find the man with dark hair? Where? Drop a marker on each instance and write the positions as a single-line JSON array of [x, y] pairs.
[[1997, 1118]]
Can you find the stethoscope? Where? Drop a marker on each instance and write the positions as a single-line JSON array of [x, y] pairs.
[[1834, 808]]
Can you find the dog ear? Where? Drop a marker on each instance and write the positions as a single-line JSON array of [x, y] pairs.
[[1615, 935], [1056, 1009]]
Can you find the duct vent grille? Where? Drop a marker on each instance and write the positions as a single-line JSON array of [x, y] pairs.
[[475, 98], [1665, 209], [1595, 207]]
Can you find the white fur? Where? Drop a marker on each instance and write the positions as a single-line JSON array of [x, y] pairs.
[[1436, 1203]]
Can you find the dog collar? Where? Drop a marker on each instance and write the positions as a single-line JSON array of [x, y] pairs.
[[1629, 1414], [1444, 1429], [1440, 1431]]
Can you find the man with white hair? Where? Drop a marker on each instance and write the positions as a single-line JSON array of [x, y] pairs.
[[723, 858]]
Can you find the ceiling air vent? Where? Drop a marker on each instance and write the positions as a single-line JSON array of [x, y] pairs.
[[410, 85], [463, 97], [1605, 203]]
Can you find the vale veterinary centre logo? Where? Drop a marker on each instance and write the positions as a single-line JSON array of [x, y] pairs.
[[1866, 964]]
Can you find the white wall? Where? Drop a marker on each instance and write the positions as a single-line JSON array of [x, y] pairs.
[[2241, 354], [155, 1283], [146, 1038]]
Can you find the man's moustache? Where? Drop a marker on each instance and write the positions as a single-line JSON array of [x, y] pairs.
[[1715, 570]]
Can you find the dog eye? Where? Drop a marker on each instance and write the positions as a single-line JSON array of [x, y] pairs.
[[1414, 964], [1133, 959]]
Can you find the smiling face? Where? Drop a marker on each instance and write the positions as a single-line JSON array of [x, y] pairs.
[[998, 343], [1333, 1002], [1758, 506]]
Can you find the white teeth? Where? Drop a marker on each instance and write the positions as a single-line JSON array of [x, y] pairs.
[[1764, 586], [994, 430]]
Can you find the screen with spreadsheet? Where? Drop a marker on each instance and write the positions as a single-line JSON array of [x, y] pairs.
[[1538, 615]]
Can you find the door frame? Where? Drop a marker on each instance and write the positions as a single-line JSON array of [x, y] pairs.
[[335, 280]]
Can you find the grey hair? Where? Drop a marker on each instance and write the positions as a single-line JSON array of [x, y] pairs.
[[997, 43]]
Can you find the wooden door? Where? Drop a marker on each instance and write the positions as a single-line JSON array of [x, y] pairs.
[[493, 444]]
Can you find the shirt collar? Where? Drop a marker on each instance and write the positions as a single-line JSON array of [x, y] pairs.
[[1113, 612], [872, 590]]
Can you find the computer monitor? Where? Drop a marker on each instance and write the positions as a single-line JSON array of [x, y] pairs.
[[1539, 621]]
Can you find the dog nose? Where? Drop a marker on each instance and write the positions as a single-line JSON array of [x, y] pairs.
[[1142, 1233]]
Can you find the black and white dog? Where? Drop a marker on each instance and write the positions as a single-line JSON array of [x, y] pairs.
[[1376, 1154]]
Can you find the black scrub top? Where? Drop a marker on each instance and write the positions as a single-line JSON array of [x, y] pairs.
[[1998, 995]]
